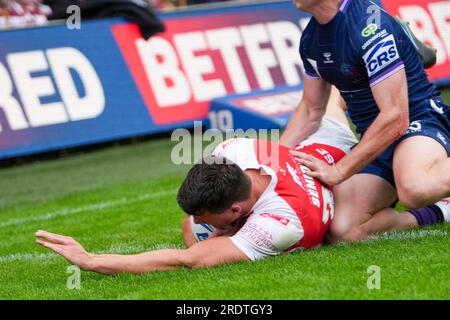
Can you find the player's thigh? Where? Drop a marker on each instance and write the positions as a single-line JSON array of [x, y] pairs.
[[357, 199], [413, 161]]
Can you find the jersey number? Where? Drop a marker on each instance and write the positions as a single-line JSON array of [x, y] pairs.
[[328, 205]]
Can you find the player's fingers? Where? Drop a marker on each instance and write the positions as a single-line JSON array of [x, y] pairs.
[[314, 174], [54, 247], [52, 237], [300, 155], [58, 235], [41, 233], [306, 163]]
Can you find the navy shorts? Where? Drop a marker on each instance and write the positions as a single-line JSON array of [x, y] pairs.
[[433, 125]]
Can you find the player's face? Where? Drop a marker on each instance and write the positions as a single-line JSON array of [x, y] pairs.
[[220, 220]]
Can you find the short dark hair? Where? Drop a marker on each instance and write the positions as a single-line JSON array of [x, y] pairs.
[[213, 185]]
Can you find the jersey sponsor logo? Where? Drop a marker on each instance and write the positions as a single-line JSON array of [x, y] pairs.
[[369, 30], [311, 187], [282, 220], [295, 176], [381, 55], [258, 235], [380, 34], [307, 183]]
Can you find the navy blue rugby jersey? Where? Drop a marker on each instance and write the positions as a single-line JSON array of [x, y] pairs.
[[356, 50]]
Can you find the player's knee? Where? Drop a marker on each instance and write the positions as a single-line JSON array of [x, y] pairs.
[[345, 232], [413, 194], [350, 236]]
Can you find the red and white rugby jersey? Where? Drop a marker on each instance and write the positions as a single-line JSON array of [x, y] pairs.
[[295, 211]]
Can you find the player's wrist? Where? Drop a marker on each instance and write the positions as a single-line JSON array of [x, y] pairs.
[[91, 262], [341, 174]]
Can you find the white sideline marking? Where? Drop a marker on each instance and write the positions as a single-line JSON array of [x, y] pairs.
[[90, 207], [121, 249], [26, 257]]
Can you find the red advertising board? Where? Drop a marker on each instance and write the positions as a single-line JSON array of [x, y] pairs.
[[211, 54], [208, 54], [430, 22]]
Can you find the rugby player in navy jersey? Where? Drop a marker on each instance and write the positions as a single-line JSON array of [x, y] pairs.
[[404, 124]]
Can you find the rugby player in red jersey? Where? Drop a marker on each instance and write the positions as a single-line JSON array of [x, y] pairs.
[[254, 193]]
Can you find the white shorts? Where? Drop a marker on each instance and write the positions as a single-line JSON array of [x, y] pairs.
[[333, 133]]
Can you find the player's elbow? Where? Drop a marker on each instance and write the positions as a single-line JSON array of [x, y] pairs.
[[191, 260], [403, 122], [402, 126], [399, 122], [186, 259]]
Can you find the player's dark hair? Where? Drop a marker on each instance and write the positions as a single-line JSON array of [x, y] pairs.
[[213, 185]]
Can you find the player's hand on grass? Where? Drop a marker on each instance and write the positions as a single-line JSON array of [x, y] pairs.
[[66, 247], [319, 169]]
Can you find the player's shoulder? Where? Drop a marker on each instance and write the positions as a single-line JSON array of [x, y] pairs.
[[231, 144], [369, 23], [359, 11], [308, 34], [283, 221]]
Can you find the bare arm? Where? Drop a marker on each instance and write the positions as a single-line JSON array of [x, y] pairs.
[[391, 96], [188, 236], [308, 115], [219, 250]]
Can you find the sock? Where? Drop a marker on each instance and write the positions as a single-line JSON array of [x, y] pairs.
[[428, 216], [444, 206]]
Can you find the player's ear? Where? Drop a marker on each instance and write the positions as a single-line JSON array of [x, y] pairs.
[[236, 208]]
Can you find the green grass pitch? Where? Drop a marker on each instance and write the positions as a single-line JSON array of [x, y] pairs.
[[122, 200]]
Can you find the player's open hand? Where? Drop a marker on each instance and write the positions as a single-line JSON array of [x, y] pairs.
[[319, 169], [65, 246]]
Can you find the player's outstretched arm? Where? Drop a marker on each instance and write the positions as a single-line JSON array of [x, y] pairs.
[[207, 253]]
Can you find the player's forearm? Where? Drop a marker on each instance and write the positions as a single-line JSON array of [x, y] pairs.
[[112, 264], [386, 128], [303, 123]]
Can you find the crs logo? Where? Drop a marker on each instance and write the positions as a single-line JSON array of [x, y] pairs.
[[381, 55]]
